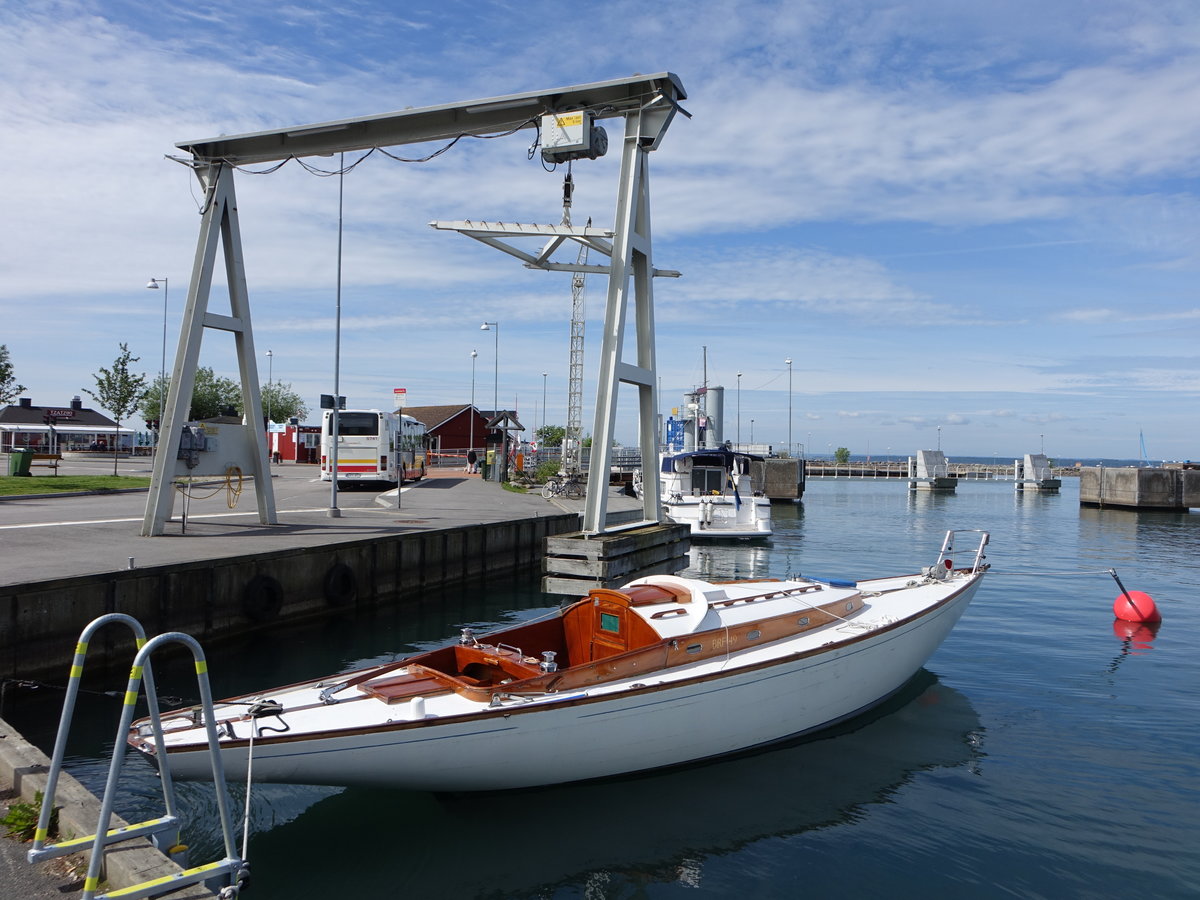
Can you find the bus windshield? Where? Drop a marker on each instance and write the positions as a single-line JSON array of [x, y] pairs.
[[358, 423]]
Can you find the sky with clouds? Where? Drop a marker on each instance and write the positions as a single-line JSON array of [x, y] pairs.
[[973, 223]]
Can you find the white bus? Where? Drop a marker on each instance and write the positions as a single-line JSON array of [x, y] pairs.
[[374, 446]]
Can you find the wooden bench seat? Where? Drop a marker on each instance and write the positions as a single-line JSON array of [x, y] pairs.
[[46, 460]]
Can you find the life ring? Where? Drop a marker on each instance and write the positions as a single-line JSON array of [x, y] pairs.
[[341, 585], [262, 598]]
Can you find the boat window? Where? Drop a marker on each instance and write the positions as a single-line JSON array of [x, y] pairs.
[[695, 648], [358, 423], [754, 635], [803, 620], [707, 481], [609, 622]]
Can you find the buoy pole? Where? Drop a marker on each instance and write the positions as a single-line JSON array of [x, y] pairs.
[[1113, 573]]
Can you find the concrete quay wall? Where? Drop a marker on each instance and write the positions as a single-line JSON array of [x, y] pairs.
[[1140, 488], [213, 598]]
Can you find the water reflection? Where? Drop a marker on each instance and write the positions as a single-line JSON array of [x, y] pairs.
[[1135, 638], [650, 829], [727, 562]]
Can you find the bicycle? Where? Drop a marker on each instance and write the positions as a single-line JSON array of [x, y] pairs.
[[568, 487]]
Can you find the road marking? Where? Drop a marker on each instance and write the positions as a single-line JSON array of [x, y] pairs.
[[364, 509]]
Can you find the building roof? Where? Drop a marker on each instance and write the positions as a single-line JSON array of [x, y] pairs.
[[433, 416], [36, 415]]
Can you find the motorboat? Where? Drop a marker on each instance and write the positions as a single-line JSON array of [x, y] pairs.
[[711, 491], [662, 672]]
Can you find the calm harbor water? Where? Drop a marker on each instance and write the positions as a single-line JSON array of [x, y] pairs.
[[1040, 753]]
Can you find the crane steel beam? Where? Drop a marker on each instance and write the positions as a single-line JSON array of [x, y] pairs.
[[490, 116]]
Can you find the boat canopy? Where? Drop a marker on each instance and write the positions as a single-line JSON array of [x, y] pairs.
[[716, 457]]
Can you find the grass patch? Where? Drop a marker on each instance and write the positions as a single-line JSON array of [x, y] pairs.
[[14, 486]]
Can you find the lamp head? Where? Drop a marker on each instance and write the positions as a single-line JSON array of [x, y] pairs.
[[153, 284], [484, 327], [474, 354]]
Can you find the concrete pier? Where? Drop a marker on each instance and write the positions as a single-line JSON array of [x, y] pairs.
[[1143, 488], [1034, 473], [779, 478], [575, 563], [930, 472], [69, 560]]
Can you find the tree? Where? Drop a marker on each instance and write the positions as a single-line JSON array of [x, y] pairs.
[[211, 396], [280, 402], [214, 395], [9, 389], [119, 391], [841, 456], [550, 435]]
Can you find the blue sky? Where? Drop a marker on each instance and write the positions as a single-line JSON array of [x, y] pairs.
[[982, 217]]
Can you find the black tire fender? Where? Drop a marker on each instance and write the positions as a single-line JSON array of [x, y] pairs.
[[262, 598], [341, 585]]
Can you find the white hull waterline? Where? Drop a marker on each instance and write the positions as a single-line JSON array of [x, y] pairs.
[[666, 671]]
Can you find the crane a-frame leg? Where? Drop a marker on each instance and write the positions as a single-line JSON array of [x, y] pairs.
[[243, 447], [631, 257]]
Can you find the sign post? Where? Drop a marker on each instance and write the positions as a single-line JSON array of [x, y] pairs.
[[399, 397]]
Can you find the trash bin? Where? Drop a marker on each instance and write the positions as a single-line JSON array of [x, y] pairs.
[[19, 460]]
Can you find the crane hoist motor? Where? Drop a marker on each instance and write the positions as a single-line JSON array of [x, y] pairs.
[[572, 135]]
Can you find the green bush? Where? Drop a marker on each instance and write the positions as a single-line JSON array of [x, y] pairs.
[[22, 818], [546, 470]]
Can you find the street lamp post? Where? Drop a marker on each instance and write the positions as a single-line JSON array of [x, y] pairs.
[[162, 374], [488, 326], [334, 414], [544, 374], [270, 378], [739, 415], [472, 445], [751, 432], [789, 365]]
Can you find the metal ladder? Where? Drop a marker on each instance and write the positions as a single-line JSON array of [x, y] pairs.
[[164, 831]]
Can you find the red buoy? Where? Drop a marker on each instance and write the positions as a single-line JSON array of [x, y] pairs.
[[1136, 606]]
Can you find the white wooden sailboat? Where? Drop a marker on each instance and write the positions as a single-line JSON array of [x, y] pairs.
[[665, 671]]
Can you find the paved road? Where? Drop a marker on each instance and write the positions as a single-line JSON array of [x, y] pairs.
[[45, 538]]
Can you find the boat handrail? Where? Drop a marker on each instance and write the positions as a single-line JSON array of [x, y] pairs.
[[41, 851], [945, 564], [163, 831], [232, 865]]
